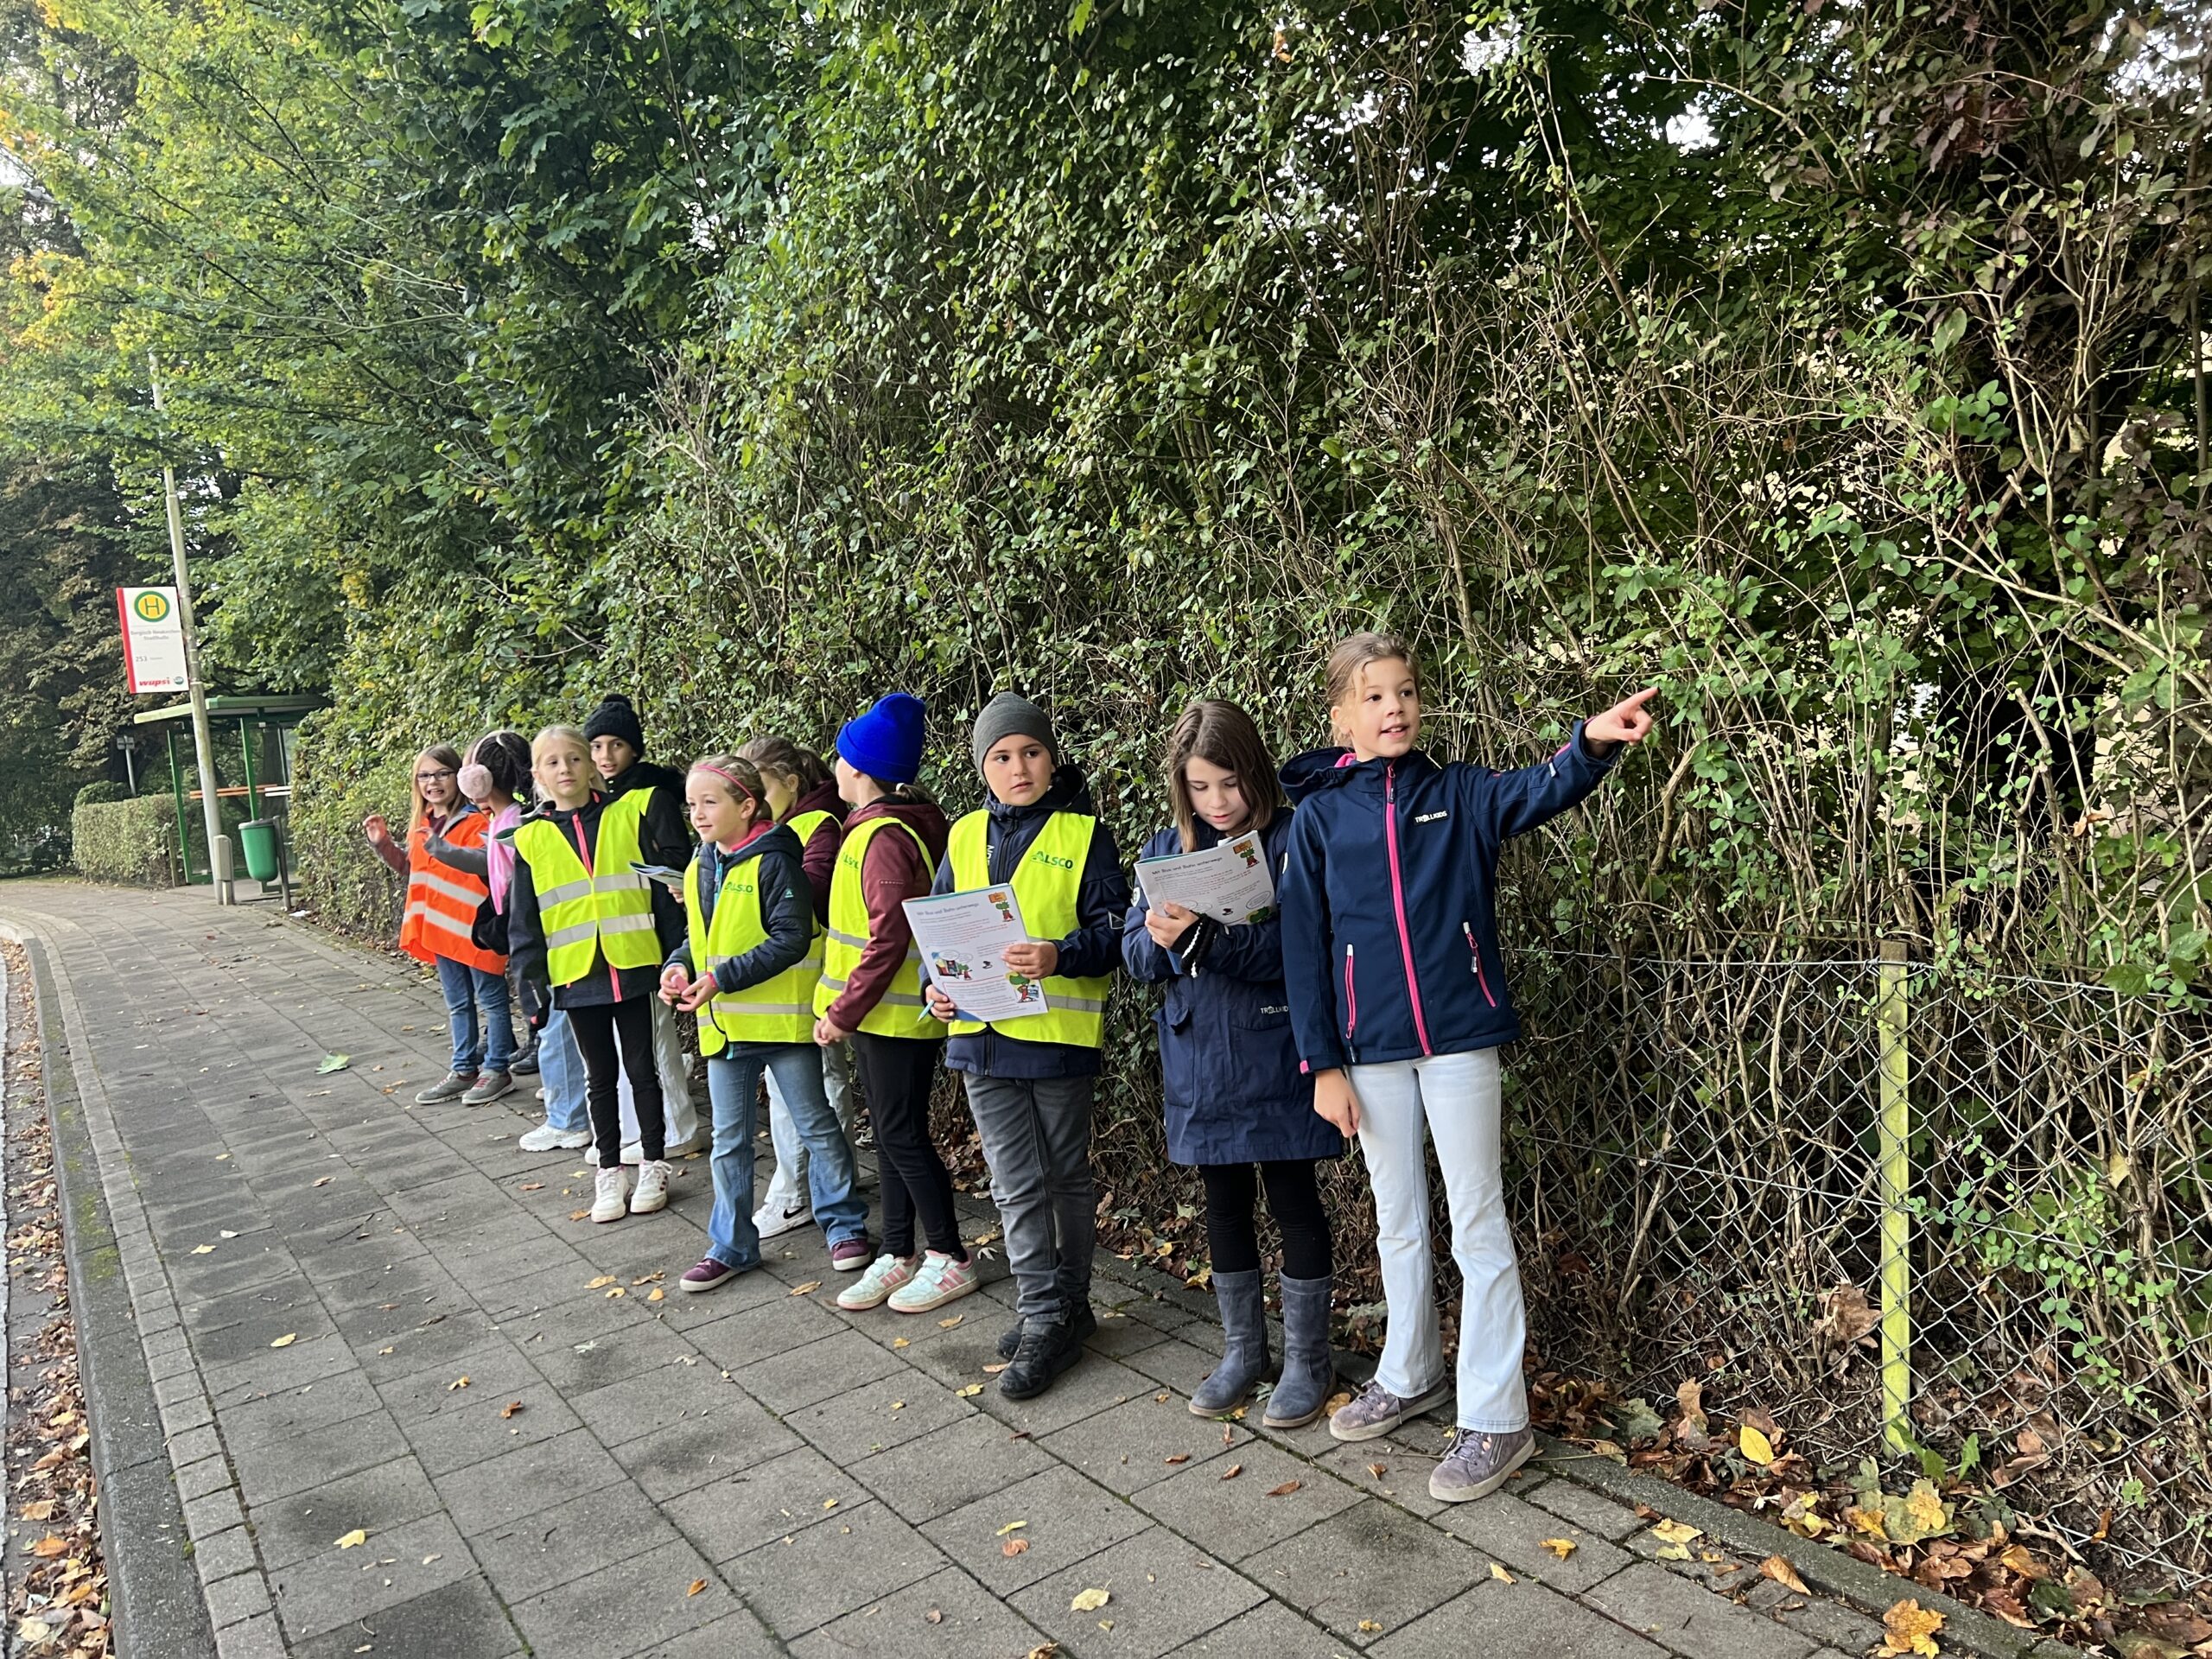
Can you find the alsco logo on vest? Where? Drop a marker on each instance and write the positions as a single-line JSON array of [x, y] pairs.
[[1057, 863]]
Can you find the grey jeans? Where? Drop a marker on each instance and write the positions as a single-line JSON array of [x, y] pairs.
[[1036, 1134]]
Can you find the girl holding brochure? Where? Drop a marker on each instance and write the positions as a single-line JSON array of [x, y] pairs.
[[1228, 1067], [1397, 994], [1030, 1077], [748, 967]]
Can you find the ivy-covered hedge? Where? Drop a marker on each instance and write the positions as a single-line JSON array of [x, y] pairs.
[[130, 842]]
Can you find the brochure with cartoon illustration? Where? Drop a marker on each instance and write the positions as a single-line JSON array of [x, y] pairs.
[[962, 938], [1229, 881]]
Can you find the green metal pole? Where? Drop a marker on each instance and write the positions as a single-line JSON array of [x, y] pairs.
[[1891, 1016], [183, 820], [246, 745]]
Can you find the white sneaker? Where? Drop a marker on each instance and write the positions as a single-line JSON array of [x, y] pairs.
[[546, 1138], [652, 1188], [770, 1222], [541, 1094], [612, 1199], [885, 1274]]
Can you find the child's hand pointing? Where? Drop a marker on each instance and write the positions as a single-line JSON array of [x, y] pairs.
[[1626, 722]]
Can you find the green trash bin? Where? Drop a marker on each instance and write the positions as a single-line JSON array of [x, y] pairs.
[[257, 843]]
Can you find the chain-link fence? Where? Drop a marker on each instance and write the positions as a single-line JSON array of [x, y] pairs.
[[1704, 1175]]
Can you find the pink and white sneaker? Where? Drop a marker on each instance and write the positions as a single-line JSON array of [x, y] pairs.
[[939, 1280], [885, 1274]]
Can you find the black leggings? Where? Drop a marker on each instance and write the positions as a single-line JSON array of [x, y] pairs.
[[1294, 1199], [896, 1074], [599, 1026]]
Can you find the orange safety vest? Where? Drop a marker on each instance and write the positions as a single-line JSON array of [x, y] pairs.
[[442, 901]]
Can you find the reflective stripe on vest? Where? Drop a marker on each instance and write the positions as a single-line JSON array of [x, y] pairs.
[[1046, 884], [443, 901], [777, 1010], [603, 909], [899, 1012]]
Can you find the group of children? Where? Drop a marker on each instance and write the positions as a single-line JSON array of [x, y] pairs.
[[787, 938]]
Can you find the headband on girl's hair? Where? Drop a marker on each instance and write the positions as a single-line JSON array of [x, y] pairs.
[[701, 766]]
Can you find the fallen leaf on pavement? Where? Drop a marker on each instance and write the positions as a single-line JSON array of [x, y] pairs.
[[971, 1391], [286, 1340], [697, 1586], [1088, 1601], [1754, 1445], [203, 1250], [1232, 1471], [511, 1408], [1368, 1627], [1501, 1574], [333, 1063], [458, 1382], [808, 1288], [903, 1342], [601, 1282], [356, 1537], [1013, 1547], [1910, 1627], [1783, 1573], [996, 1366], [48, 1546], [1011, 1526], [531, 1186], [947, 1325], [321, 1180], [1562, 1547], [1180, 1457], [1285, 1489], [1675, 1532], [39, 1510]]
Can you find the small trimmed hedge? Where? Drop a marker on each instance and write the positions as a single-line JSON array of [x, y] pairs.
[[130, 841]]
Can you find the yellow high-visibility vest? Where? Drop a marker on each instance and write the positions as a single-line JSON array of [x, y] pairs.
[[1046, 884], [777, 1010], [605, 907], [899, 1012]]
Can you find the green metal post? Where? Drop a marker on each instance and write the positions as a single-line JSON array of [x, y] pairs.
[[1891, 1016], [183, 820], [246, 745]]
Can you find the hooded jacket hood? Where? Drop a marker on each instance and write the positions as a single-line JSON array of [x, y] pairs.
[[1069, 791]]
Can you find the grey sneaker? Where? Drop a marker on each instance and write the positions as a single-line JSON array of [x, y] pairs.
[[1479, 1464], [487, 1088], [1374, 1411], [452, 1086]]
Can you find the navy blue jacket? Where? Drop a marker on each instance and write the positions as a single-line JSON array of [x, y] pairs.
[[1227, 1062], [785, 900], [1389, 941], [1094, 948]]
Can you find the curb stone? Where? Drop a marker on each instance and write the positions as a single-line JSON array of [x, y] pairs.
[[157, 1601], [1843, 1577]]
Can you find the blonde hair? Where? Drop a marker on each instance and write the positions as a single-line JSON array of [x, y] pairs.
[[1223, 733], [741, 775], [1357, 652], [552, 735]]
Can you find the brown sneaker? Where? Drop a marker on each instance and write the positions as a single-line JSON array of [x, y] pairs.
[[1479, 1464]]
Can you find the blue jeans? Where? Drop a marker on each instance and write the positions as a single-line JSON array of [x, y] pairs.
[[561, 1071], [465, 987], [733, 1081]]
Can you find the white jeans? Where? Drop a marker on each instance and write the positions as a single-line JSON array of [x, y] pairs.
[[678, 1114], [787, 1190], [1455, 1098]]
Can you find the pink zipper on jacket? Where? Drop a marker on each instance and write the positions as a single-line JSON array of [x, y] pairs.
[[1398, 899], [1481, 980]]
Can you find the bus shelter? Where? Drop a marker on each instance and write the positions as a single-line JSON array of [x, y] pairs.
[[253, 738]]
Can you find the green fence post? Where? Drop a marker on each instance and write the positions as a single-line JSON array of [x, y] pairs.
[[1891, 1014], [183, 818]]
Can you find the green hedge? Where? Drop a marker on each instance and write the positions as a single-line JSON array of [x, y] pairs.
[[130, 841]]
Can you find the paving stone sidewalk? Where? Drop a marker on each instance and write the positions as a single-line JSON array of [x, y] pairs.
[[362, 1314]]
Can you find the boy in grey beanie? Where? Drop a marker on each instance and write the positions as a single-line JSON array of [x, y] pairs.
[[1011, 714]]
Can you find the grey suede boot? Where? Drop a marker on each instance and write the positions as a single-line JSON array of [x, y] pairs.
[[1245, 1322], [1309, 1367]]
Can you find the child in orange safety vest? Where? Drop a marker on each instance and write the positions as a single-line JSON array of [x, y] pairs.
[[441, 906]]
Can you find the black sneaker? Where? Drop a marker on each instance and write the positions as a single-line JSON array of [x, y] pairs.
[[1044, 1351], [1084, 1325]]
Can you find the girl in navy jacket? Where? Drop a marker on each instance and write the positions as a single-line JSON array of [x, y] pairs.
[[1397, 996], [1230, 1071]]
